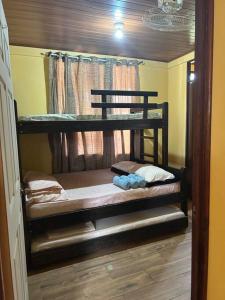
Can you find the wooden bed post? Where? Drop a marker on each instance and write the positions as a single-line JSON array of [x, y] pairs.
[[156, 146], [142, 143], [145, 112], [132, 148], [104, 111], [165, 134]]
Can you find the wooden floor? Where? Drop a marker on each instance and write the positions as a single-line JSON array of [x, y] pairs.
[[160, 270]]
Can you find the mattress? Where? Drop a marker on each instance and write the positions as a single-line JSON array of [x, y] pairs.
[[73, 117], [92, 189]]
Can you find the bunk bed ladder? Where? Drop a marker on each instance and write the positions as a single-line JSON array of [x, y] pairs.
[[155, 144], [165, 116]]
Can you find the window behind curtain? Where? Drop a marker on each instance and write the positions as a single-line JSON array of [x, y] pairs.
[[71, 82]]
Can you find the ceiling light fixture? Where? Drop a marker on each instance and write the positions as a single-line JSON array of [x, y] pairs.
[[119, 26], [168, 16], [170, 6], [118, 15]]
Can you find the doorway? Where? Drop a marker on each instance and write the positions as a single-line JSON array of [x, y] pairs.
[[201, 147]]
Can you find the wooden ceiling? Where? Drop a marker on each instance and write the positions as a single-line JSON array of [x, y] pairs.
[[87, 26]]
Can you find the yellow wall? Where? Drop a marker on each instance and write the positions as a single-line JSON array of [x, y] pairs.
[[216, 277], [177, 91], [31, 92], [154, 77]]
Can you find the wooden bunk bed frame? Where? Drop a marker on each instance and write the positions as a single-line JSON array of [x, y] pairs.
[[36, 226]]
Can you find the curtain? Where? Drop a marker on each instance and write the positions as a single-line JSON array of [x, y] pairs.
[[70, 84], [124, 78]]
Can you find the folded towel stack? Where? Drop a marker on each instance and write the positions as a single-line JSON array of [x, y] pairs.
[[41, 188], [132, 181], [40, 183], [134, 184], [122, 182], [139, 181]]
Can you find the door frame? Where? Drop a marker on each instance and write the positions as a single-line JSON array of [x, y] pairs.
[[201, 146], [201, 159], [6, 283]]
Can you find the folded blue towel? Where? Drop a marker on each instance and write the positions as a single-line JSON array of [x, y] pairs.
[[141, 181], [122, 182], [133, 181], [137, 181]]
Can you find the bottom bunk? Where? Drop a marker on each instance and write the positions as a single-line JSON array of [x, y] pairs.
[[82, 211], [87, 190]]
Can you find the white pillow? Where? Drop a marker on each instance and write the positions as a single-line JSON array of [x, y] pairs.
[[153, 174]]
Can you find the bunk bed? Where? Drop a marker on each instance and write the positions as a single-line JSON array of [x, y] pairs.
[[84, 224]]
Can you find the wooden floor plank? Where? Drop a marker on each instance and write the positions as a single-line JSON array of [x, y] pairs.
[[158, 270]]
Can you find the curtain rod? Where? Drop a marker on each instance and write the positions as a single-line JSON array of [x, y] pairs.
[[90, 58]]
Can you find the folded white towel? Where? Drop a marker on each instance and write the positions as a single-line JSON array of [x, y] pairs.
[[41, 183]]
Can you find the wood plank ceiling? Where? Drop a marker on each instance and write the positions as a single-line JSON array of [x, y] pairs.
[[87, 26]]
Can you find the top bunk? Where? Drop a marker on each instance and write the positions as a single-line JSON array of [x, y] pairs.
[[143, 115]]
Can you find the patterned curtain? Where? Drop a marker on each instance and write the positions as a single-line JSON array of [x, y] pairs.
[[70, 84]]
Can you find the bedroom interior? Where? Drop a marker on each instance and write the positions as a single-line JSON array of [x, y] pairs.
[[97, 106]]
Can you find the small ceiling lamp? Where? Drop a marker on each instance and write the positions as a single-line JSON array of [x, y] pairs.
[[119, 27], [118, 15], [118, 24]]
